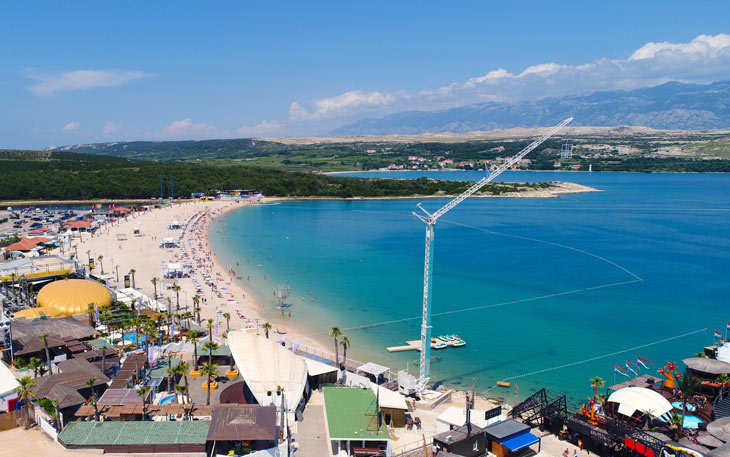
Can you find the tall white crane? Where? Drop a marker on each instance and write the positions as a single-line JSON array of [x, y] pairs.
[[430, 220]]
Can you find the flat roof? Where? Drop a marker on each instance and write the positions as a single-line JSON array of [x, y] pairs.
[[373, 369], [161, 366], [120, 397], [351, 414], [134, 432], [506, 429]]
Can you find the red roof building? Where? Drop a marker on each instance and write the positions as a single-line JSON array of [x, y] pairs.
[[78, 225], [26, 244], [39, 231]]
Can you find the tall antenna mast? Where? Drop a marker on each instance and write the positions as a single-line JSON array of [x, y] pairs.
[[430, 220]]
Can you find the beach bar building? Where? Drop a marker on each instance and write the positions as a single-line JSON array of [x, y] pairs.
[[136, 436], [508, 437], [242, 429], [354, 422]]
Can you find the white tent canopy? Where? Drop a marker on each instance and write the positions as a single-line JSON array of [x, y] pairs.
[[388, 398], [316, 368], [264, 365], [632, 399]]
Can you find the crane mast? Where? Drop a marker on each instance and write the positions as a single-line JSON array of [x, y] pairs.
[[430, 220]]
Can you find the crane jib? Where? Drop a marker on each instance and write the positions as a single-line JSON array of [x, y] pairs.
[[430, 220]]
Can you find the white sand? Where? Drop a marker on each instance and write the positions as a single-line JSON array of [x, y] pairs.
[[144, 255]]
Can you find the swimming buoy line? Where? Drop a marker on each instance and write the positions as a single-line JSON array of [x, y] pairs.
[[635, 279], [592, 359]]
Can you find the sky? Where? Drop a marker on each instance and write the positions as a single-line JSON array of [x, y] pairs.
[[84, 72]]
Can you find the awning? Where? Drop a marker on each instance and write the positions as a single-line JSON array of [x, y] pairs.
[[521, 442]]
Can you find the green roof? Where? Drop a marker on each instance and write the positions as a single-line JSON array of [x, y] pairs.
[[351, 414], [99, 343], [221, 351], [134, 432], [161, 366]]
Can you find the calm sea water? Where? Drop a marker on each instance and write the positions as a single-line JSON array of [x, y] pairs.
[[363, 261]]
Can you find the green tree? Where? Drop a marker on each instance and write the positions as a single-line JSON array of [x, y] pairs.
[[345, 344], [211, 346], [194, 337], [144, 392], [34, 364], [25, 393], [597, 383], [90, 384], [267, 327], [688, 385], [154, 284], [210, 371], [44, 337], [336, 333], [131, 273]]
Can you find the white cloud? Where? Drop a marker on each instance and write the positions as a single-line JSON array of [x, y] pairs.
[[71, 126], [80, 80], [263, 128], [110, 128], [186, 128], [704, 59]]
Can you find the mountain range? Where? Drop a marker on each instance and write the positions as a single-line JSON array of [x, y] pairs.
[[672, 106]]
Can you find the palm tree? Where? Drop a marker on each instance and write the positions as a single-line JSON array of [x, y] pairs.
[[210, 328], [335, 333], [196, 303], [131, 273], [56, 415], [154, 284], [227, 316], [44, 337], [597, 383], [182, 369], [103, 358], [650, 418], [42, 370], [143, 392], [688, 385], [211, 346], [345, 344], [177, 288], [101, 257], [25, 392], [90, 308], [181, 390], [723, 379], [187, 316], [171, 372], [90, 384], [194, 337], [267, 327], [210, 370], [35, 363], [675, 424]]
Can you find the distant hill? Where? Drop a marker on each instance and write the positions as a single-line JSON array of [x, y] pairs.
[[673, 106], [177, 150]]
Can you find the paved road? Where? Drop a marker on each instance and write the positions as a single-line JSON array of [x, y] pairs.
[[311, 434]]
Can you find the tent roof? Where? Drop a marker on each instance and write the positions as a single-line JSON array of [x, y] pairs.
[[706, 365], [389, 399], [264, 365], [632, 399], [316, 368], [67, 297], [7, 380], [243, 423], [373, 369]]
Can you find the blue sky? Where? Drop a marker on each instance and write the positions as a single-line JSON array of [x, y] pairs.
[[78, 72]]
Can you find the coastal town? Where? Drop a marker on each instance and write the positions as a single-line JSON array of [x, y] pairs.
[[122, 333]]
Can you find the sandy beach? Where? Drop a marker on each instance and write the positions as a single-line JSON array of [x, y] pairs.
[[143, 254]]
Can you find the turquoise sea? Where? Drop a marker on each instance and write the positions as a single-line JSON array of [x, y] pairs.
[[583, 253]]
